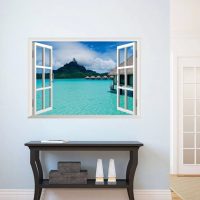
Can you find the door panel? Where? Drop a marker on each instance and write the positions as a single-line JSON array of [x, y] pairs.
[[189, 118]]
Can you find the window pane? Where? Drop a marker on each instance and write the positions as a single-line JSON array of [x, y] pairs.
[[129, 77], [198, 140], [47, 98], [188, 156], [121, 57], [39, 83], [188, 124], [129, 60], [198, 156], [198, 91], [130, 100], [121, 77], [189, 75], [198, 107], [47, 57], [188, 107], [39, 57], [188, 140], [198, 75], [189, 91], [121, 98], [198, 124], [47, 77], [39, 100]]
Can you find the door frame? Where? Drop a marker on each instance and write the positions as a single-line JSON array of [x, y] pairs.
[[190, 169], [182, 46]]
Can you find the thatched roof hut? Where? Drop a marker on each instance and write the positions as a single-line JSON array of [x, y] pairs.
[[129, 71], [114, 72], [105, 77]]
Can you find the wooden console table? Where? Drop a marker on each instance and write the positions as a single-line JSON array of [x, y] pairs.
[[131, 146]]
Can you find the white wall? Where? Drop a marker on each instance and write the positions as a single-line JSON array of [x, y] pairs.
[[185, 17], [185, 40], [22, 19]]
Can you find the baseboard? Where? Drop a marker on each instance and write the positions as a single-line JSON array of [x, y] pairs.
[[153, 195], [27, 194], [14, 194]]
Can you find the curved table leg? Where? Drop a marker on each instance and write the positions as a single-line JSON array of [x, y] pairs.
[[130, 172], [37, 172]]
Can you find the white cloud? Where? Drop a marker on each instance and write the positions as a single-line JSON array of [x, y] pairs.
[[103, 65], [64, 52]]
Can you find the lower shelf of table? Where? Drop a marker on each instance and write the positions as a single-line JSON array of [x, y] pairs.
[[121, 183]]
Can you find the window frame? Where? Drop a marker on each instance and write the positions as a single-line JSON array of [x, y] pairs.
[[30, 75], [125, 88], [43, 67]]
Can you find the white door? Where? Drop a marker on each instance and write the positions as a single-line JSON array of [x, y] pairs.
[[126, 78], [189, 115], [42, 78]]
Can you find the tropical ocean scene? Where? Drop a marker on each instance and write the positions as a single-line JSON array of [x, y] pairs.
[[83, 79]]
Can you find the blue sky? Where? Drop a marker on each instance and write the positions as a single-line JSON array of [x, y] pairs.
[[99, 56]]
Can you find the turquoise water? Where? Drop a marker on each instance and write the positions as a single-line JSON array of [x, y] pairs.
[[83, 97]]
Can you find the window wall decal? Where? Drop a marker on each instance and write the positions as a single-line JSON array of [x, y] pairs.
[[71, 78]]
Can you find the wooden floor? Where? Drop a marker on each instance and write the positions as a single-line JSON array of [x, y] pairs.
[[185, 188], [175, 196]]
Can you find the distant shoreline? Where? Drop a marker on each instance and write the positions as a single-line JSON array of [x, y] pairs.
[[82, 78], [86, 78]]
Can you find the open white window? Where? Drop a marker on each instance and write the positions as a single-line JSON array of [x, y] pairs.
[[42, 78], [127, 78]]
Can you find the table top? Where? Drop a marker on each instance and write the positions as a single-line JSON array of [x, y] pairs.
[[86, 144]]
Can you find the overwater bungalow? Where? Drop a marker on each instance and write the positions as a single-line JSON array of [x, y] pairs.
[[111, 77], [113, 74], [129, 73], [92, 77], [98, 77], [105, 77]]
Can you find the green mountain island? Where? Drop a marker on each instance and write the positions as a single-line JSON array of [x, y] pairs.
[[74, 70]]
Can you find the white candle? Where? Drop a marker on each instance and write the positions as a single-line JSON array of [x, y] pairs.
[[111, 172], [99, 172]]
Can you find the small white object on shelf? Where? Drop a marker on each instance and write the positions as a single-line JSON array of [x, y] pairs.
[[112, 173], [54, 141], [99, 173]]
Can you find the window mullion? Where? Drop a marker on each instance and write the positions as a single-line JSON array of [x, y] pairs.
[[125, 78], [51, 78], [43, 78], [135, 79], [118, 79], [35, 80]]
